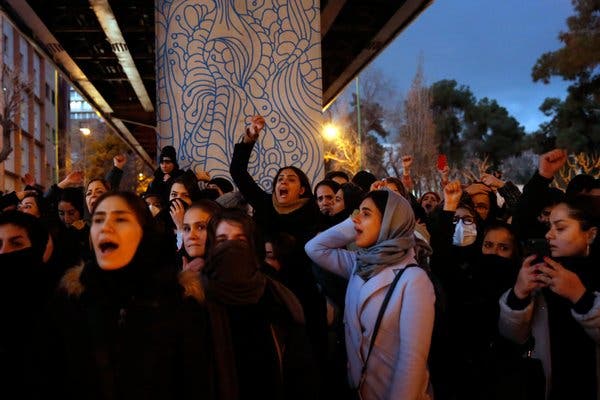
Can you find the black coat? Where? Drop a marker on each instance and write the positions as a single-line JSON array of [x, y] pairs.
[[23, 298], [160, 186], [128, 335], [302, 224]]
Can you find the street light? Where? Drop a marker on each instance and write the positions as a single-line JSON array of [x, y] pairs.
[[85, 132], [331, 132]]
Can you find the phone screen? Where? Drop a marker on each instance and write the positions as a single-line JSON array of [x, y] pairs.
[[539, 247], [442, 162]]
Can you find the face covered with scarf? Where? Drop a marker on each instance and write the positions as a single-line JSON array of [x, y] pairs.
[[394, 239]]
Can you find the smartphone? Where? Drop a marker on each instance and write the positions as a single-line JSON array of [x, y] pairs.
[[442, 162], [539, 247]]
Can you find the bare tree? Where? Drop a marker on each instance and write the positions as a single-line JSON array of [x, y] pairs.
[[417, 136], [342, 152], [13, 88]]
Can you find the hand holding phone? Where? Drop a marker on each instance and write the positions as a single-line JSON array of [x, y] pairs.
[[539, 248]]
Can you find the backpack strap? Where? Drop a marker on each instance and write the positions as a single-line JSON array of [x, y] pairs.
[[386, 300]]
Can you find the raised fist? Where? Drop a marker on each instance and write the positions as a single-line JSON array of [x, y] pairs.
[[257, 123], [119, 161], [452, 193], [551, 162]]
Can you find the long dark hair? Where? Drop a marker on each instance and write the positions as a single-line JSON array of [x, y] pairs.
[[586, 210], [189, 181], [352, 195]]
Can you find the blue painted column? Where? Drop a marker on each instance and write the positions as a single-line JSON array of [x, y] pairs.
[[221, 61]]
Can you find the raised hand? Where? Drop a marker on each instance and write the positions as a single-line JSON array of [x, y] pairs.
[[378, 185], [551, 162], [21, 194], [73, 179], [28, 179], [119, 161], [257, 123], [476, 188], [177, 212], [452, 193], [203, 176], [492, 181]]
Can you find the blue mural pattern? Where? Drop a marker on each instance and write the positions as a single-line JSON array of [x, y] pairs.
[[220, 62]]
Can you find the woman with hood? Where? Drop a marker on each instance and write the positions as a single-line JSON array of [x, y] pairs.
[[126, 325], [383, 228], [24, 290], [260, 344]]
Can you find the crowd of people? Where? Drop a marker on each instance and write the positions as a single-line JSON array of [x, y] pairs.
[[351, 288]]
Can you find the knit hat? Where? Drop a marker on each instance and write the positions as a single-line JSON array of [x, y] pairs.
[[222, 183], [168, 154]]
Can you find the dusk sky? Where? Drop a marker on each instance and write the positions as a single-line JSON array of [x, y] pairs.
[[489, 46]]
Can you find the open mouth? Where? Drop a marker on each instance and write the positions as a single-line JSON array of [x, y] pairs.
[[283, 192], [107, 247]]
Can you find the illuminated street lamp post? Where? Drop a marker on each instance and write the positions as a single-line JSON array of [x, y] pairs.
[[85, 132], [331, 132]]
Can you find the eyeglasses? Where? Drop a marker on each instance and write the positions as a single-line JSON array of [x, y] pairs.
[[467, 220]]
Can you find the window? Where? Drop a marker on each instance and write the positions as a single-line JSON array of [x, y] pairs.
[[25, 155], [9, 164], [8, 46], [38, 164], [37, 126], [25, 113], [36, 74]]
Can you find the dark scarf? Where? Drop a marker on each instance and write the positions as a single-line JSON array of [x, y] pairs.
[[149, 274], [573, 351], [231, 277]]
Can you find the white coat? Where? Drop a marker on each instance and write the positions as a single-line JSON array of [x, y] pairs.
[[397, 367]]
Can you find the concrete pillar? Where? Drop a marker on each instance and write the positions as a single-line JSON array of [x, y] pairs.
[[221, 61]]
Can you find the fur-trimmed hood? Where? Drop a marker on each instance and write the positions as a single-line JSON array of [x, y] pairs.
[[188, 280]]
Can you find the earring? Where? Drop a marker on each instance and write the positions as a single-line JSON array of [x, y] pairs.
[[588, 249]]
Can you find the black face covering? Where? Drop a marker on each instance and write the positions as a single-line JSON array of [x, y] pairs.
[[232, 274], [20, 263], [20, 269], [497, 274]]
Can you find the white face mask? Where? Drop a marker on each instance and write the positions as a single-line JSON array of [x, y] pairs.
[[464, 235]]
